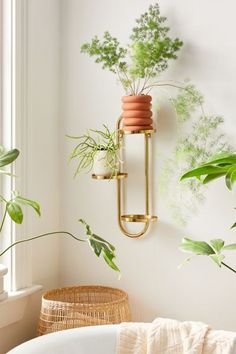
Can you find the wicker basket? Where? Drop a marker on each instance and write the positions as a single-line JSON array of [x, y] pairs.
[[82, 306]]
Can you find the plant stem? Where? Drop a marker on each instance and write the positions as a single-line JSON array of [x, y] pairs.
[[177, 85], [39, 236], [227, 266], [3, 219]]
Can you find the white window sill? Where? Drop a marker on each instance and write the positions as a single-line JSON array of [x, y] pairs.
[[13, 308]]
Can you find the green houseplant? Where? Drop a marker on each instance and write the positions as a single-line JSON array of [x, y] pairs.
[[138, 64], [13, 208], [97, 150], [221, 165]]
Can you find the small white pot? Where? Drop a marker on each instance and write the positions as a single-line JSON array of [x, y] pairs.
[[100, 165], [3, 271]]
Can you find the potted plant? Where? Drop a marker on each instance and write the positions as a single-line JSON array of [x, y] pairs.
[[220, 165], [97, 150], [138, 64], [13, 208]]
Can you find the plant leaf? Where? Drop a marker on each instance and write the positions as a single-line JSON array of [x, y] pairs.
[[230, 177], [109, 260], [217, 244], [197, 247], [204, 170], [234, 225], [15, 212], [87, 227], [96, 246], [186, 260], [227, 158], [210, 178], [101, 246], [8, 157], [230, 247], [217, 258], [33, 204], [104, 241]]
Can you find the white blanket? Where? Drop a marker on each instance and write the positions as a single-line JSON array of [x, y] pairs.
[[165, 336]]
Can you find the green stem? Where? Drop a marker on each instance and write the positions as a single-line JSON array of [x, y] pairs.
[[41, 235], [227, 266], [3, 219], [179, 86]]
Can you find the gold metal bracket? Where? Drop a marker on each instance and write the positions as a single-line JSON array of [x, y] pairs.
[[146, 218], [115, 176]]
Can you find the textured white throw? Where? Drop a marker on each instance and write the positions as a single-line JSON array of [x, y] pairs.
[[165, 336]]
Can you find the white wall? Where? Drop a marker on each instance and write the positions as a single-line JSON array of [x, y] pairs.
[[91, 97], [43, 171]]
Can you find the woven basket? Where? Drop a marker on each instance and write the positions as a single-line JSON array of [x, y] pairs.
[[82, 306]]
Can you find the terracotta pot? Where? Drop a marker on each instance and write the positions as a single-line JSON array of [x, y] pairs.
[[137, 113], [133, 128], [137, 121]]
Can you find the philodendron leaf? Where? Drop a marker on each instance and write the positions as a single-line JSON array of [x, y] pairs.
[[210, 178], [205, 170], [109, 260], [8, 157], [104, 241], [230, 247], [15, 212], [101, 247], [197, 247], [96, 246], [88, 229], [217, 244], [20, 200], [217, 258], [227, 158], [230, 177]]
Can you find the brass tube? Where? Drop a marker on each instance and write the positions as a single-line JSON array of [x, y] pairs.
[[119, 188], [146, 138]]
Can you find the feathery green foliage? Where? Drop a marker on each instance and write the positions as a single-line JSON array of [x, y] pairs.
[[187, 102], [145, 57], [199, 136]]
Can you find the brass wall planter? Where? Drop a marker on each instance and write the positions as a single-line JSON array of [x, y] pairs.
[[147, 218]]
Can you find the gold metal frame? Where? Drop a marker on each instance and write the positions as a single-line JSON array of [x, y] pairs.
[[146, 218]]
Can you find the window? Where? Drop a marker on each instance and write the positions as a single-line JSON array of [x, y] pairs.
[[13, 125]]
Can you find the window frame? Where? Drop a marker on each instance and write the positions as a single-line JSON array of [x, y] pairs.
[[14, 122]]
